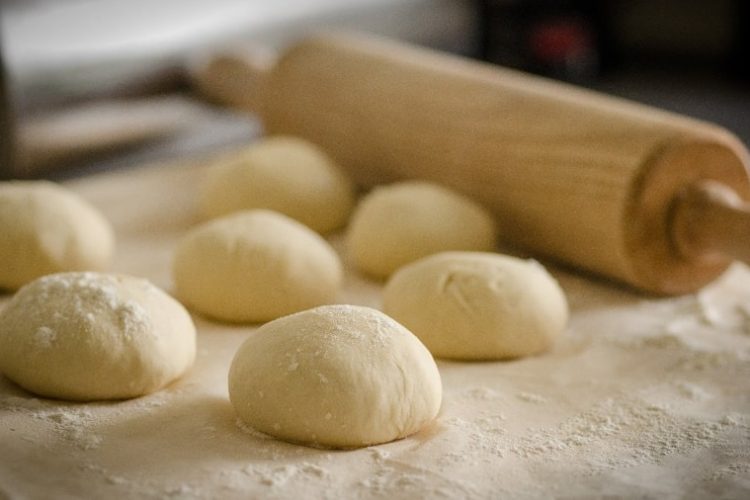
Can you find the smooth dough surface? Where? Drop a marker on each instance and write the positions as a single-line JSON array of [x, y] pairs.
[[474, 305], [47, 229], [91, 336], [286, 174], [336, 376], [255, 266], [400, 223]]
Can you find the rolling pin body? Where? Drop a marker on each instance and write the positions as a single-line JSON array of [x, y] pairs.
[[572, 175]]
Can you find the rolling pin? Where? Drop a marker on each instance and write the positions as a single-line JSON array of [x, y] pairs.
[[647, 197]]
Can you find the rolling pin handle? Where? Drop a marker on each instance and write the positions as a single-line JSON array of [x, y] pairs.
[[234, 79], [711, 222]]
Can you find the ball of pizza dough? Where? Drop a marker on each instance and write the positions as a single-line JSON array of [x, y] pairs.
[[337, 376], [400, 223], [474, 305], [47, 229], [255, 266], [285, 174], [91, 336]]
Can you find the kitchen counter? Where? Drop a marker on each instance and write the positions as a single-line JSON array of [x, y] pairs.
[[641, 398]]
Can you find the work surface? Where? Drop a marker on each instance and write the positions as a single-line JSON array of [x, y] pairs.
[[646, 398]]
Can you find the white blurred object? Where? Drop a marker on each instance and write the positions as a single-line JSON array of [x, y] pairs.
[[63, 50]]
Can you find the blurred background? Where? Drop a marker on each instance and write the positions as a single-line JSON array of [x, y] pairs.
[[97, 84]]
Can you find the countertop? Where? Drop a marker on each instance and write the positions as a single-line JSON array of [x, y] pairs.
[[641, 398]]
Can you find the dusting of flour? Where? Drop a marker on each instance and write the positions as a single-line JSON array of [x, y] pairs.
[[636, 389], [641, 398], [93, 296]]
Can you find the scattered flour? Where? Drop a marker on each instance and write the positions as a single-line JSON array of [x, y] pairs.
[[493, 425], [378, 454], [531, 398], [402, 480], [279, 476], [45, 337], [731, 471], [660, 404], [94, 297], [76, 423], [707, 311], [693, 391], [181, 490], [72, 422], [482, 393], [622, 433], [116, 480], [133, 318]]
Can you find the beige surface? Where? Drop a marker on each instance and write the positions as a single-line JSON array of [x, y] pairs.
[[641, 398]]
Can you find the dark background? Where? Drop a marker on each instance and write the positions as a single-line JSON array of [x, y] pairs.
[[688, 56]]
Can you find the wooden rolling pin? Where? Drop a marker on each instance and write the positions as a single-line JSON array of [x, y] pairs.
[[647, 197]]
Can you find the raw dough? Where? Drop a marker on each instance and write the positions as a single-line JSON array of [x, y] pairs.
[[47, 229], [473, 305], [90, 336], [337, 376], [255, 266], [400, 223], [285, 174]]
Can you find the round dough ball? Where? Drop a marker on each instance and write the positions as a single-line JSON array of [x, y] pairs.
[[285, 174], [91, 336], [47, 229], [473, 305], [400, 223], [255, 266], [338, 376]]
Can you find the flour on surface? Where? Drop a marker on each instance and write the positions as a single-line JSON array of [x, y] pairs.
[[643, 398]]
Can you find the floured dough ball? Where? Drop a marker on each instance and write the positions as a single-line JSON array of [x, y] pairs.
[[255, 266], [285, 174], [337, 376], [46, 229], [91, 336], [473, 305], [403, 222]]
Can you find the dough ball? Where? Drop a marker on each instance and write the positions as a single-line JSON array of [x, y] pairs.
[[403, 222], [285, 174], [473, 305], [47, 229], [89, 336], [255, 266], [337, 376]]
